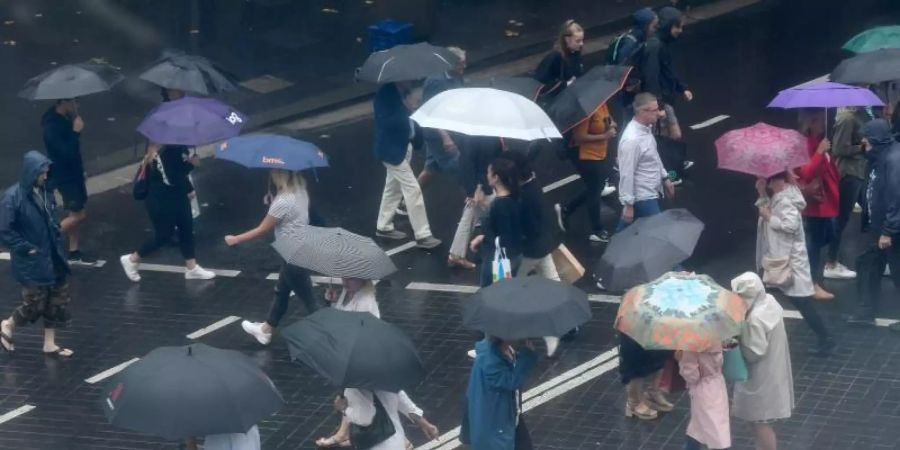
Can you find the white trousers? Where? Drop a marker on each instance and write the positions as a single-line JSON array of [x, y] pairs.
[[400, 183]]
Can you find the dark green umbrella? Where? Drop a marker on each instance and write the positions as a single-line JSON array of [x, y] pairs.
[[71, 81], [869, 68], [875, 39], [581, 99]]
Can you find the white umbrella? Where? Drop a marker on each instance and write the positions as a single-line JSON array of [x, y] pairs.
[[486, 112]]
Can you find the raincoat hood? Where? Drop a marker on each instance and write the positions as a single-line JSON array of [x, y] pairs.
[[32, 165], [668, 17], [878, 133], [641, 19], [792, 195], [760, 305]]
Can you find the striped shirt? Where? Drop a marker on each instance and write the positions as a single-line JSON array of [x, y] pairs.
[[291, 209]]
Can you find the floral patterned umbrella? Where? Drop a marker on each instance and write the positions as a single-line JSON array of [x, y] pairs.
[[761, 150], [681, 311]]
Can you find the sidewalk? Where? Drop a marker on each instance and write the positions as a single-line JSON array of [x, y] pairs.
[[294, 58]]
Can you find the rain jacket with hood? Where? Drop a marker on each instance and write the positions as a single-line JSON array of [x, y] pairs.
[[783, 236], [63, 148], [656, 69], [883, 192], [768, 393], [626, 45], [28, 222]]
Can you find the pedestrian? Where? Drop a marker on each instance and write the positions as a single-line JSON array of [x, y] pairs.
[[168, 205], [672, 149], [818, 181], [882, 246], [562, 65], [441, 147], [641, 372], [781, 251], [288, 210], [29, 229], [767, 395], [393, 132], [592, 137], [503, 223], [477, 154], [851, 164], [364, 408], [709, 424], [627, 49], [492, 418], [169, 95], [234, 441], [62, 138]]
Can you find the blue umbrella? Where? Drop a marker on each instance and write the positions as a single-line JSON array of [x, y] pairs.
[[272, 151], [192, 121]]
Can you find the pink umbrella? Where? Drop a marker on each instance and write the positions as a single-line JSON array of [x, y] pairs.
[[761, 150]]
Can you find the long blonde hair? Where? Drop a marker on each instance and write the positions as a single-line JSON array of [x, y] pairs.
[[287, 181]]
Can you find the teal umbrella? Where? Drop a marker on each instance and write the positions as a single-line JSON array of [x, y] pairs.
[[875, 39]]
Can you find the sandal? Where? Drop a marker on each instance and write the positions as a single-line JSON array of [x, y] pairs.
[[463, 263], [6, 341], [332, 442], [60, 353]]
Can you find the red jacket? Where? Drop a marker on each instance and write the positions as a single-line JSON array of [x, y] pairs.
[[820, 165]]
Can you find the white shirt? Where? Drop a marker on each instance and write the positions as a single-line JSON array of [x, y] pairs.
[[641, 172], [235, 441]]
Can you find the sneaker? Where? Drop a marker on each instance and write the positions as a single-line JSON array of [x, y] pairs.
[[198, 273], [471, 354], [857, 208], [839, 272], [688, 165], [130, 267], [255, 329], [552, 344], [608, 190], [428, 242], [560, 216], [390, 234], [602, 236], [78, 257]]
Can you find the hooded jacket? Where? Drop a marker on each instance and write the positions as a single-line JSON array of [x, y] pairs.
[[28, 222], [883, 192], [628, 43], [782, 236], [63, 147], [659, 76]]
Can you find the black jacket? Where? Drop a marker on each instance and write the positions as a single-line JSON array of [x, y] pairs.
[[555, 70], [539, 227], [883, 192], [63, 147], [476, 155], [28, 222], [171, 178], [659, 77], [392, 126]]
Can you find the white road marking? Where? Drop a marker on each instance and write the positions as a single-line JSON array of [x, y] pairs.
[[437, 287], [603, 298], [401, 248], [4, 256], [16, 413], [180, 269], [111, 371], [561, 183], [215, 326], [709, 122]]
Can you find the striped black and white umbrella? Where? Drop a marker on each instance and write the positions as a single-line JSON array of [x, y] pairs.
[[333, 252]]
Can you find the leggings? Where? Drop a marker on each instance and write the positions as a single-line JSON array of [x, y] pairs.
[[296, 279], [168, 213], [594, 174]]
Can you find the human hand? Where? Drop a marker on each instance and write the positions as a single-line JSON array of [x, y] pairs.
[[611, 134], [824, 146], [688, 95], [77, 124], [765, 213], [670, 188], [428, 428], [476, 242], [628, 213], [885, 242], [232, 240]]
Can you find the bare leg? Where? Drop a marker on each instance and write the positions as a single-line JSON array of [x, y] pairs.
[[8, 326], [71, 227], [340, 438], [764, 435], [50, 345]]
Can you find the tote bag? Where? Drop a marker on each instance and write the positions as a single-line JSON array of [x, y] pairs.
[[734, 368], [500, 267]]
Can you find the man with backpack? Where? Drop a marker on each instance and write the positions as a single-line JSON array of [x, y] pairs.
[[623, 51]]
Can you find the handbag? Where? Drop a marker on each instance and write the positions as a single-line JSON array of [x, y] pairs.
[[777, 271], [568, 267], [380, 430], [501, 268], [139, 187], [734, 367], [671, 380], [812, 190]]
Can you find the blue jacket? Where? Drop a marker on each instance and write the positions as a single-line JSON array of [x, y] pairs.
[[489, 421], [883, 191], [392, 127], [63, 148], [28, 223]]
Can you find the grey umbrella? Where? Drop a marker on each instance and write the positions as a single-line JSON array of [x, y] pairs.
[[71, 81], [406, 62], [334, 252], [191, 73], [869, 68], [648, 248]]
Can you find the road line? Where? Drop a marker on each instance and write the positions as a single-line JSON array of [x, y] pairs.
[[4, 256], [569, 374], [110, 372], [603, 298], [24, 409], [215, 326], [401, 248], [438, 287], [180, 269], [561, 183], [709, 122]]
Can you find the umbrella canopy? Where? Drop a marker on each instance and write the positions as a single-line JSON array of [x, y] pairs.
[[648, 248], [486, 112], [761, 150], [825, 95], [355, 349], [196, 390], [191, 73], [869, 68], [874, 39], [71, 81], [526, 307], [525, 86], [581, 99], [681, 311], [406, 62], [334, 252], [271, 151], [192, 121]]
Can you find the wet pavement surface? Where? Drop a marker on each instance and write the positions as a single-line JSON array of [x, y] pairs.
[[734, 66]]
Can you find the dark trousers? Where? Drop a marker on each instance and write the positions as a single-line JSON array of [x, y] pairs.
[[850, 189], [672, 153], [870, 269], [296, 279], [692, 444], [807, 309], [819, 233], [168, 213], [594, 175]]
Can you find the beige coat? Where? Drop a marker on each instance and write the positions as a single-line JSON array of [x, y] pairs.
[[782, 235]]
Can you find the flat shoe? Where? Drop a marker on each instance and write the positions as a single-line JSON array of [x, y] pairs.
[[60, 353], [7, 342], [332, 442]]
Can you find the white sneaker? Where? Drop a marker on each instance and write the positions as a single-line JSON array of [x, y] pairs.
[[600, 285], [130, 267], [552, 344], [857, 208], [607, 190], [839, 272], [471, 353], [887, 271], [255, 329], [198, 273]]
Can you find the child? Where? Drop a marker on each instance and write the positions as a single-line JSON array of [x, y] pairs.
[[709, 425]]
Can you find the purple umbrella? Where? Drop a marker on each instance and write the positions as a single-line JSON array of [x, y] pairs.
[[825, 95], [192, 121]]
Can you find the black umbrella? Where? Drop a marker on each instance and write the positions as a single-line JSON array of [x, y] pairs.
[[648, 248], [582, 98], [526, 307], [406, 62], [71, 81], [355, 349], [869, 68], [524, 86], [335, 252], [190, 73], [197, 390]]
